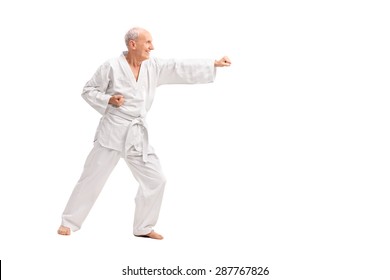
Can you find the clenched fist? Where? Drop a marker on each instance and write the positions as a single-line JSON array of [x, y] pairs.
[[223, 62], [116, 100]]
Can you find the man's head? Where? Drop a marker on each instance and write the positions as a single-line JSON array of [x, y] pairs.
[[139, 42]]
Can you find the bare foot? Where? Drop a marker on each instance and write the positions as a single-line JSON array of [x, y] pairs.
[[153, 235], [63, 230]]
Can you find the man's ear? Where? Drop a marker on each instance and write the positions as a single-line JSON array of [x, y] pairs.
[[132, 44]]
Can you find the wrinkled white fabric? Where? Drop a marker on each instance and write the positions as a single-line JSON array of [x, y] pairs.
[[116, 77], [122, 132], [98, 167]]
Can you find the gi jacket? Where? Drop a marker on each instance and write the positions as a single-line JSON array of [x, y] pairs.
[[124, 128]]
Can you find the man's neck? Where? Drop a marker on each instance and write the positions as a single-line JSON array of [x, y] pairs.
[[133, 62]]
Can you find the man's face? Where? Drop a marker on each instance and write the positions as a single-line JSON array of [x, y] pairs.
[[143, 45]]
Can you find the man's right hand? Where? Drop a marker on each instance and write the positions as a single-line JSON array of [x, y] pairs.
[[116, 100]]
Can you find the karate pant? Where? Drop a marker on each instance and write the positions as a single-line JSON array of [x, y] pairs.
[[98, 167]]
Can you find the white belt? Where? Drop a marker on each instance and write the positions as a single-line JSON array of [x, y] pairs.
[[137, 135]]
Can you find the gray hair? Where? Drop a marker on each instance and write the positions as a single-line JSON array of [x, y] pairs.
[[132, 34]]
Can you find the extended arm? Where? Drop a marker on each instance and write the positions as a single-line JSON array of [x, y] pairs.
[[185, 71], [188, 71]]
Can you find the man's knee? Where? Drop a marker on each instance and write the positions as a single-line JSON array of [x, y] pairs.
[[161, 179]]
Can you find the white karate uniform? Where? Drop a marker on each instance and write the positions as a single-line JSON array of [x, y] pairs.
[[122, 132]]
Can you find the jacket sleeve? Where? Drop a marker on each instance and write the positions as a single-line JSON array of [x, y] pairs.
[[185, 71], [94, 91]]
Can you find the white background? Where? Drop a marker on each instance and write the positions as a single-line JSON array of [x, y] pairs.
[[282, 162]]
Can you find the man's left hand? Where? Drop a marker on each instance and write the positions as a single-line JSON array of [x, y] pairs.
[[224, 61]]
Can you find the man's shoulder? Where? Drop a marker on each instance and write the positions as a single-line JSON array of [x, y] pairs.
[[152, 60], [155, 62]]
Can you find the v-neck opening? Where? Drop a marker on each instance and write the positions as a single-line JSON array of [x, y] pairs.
[[136, 79], [130, 71]]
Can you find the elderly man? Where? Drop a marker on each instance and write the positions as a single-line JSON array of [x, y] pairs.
[[122, 90]]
